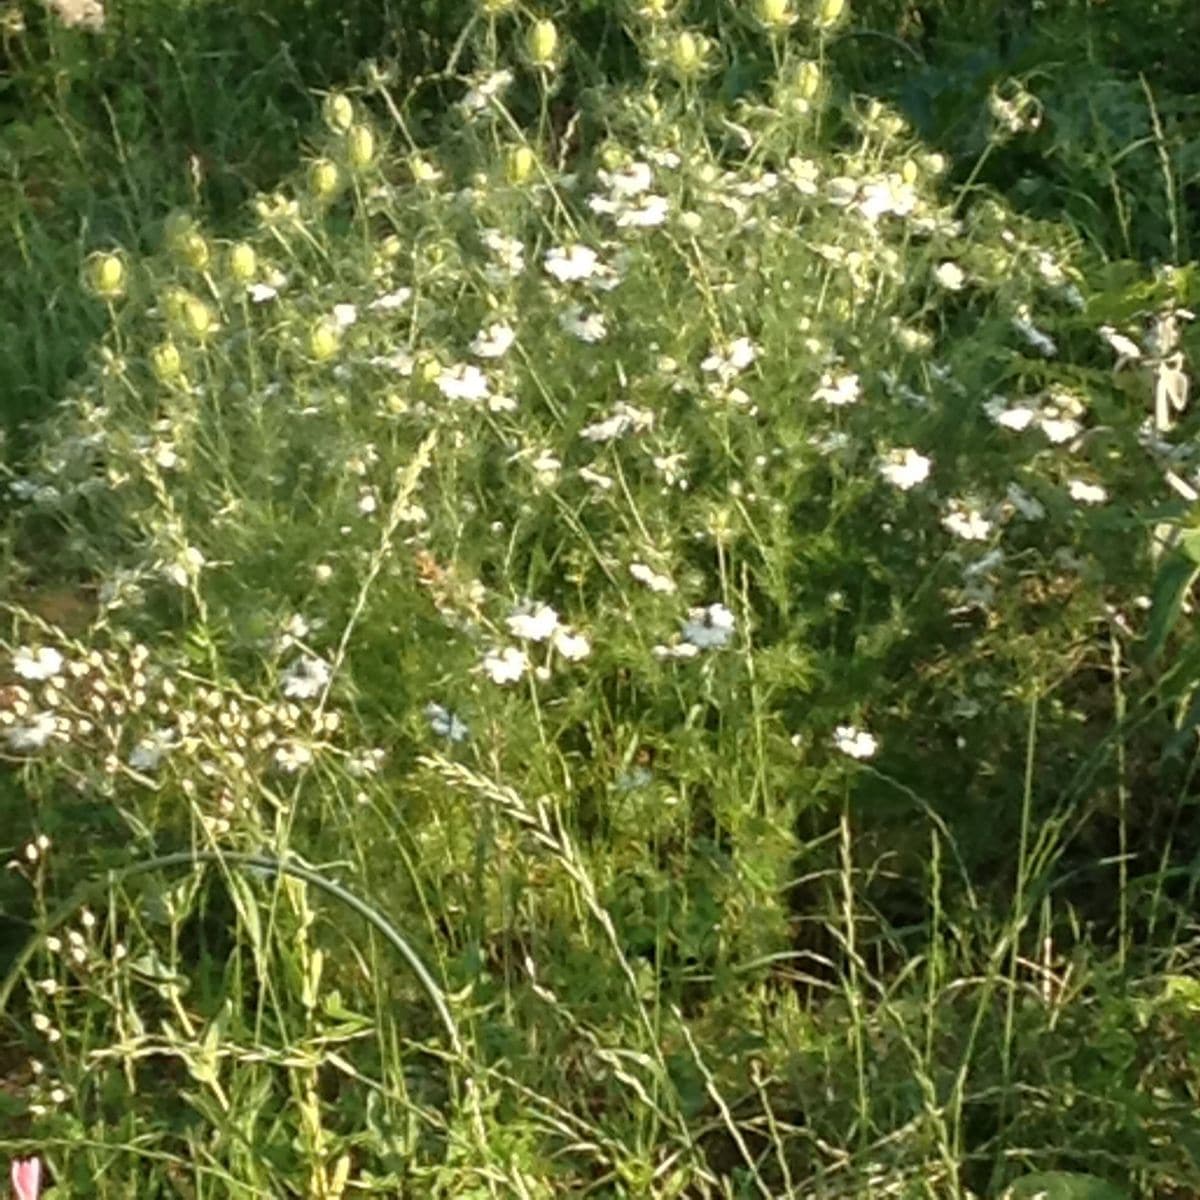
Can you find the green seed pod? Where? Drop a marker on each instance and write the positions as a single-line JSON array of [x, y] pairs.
[[829, 13], [192, 248], [774, 14], [687, 53], [197, 318]]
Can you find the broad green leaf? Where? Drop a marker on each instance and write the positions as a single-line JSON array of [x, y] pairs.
[[1175, 577]]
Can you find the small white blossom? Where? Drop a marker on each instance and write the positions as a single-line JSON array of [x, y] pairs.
[[494, 341], [652, 579], [574, 647], [261, 293], [855, 742], [344, 315], [152, 749], [964, 520], [625, 419], [680, 650], [463, 382], [904, 468], [570, 264], [43, 663], [647, 212], [291, 756], [33, 734], [709, 627], [838, 391], [532, 622], [446, 724], [390, 301], [950, 276], [587, 327], [726, 363], [1086, 493], [1125, 349], [1015, 417], [508, 252], [596, 478], [306, 678], [505, 666]]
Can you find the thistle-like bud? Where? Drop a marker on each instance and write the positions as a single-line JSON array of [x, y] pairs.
[[323, 179], [192, 248], [774, 14], [197, 318], [106, 275], [542, 42], [687, 52], [360, 146], [519, 164], [829, 13], [338, 112], [323, 340], [243, 262], [166, 362]]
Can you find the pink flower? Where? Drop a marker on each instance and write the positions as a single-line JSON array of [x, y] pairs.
[[27, 1178]]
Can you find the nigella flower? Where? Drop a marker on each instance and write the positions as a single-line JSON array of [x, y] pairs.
[[654, 581], [710, 627], [152, 749], [838, 391], [446, 724], [306, 678], [964, 520], [505, 666], [494, 341], [904, 468], [574, 647], [463, 382], [34, 734], [570, 264], [532, 622], [1086, 493], [731, 361]]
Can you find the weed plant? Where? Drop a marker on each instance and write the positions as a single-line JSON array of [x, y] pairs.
[[693, 577]]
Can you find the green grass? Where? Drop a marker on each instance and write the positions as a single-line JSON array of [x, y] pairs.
[[711, 713]]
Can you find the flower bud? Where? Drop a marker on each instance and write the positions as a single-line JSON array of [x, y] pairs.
[[323, 340], [165, 362], [807, 79], [360, 146], [323, 178], [493, 8], [687, 53], [338, 112], [542, 42], [519, 164], [192, 248], [774, 14], [829, 13], [197, 317], [910, 172], [106, 275], [243, 262]]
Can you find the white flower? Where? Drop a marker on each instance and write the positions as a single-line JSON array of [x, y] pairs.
[[647, 212], [368, 501], [493, 341], [1058, 428], [463, 382], [731, 361], [509, 253], [490, 86], [888, 195], [950, 276], [904, 468], [261, 293], [1016, 417], [344, 315], [574, 647], [306, 678], [570, 263], [546, 466], [505, 666], [625, 418], [655, 582], [629, 181], [43, 663], [855, 742], [845, 389], [390, 301], [34, 734], [151, 750], [291, 756], [1086, 493], [587, 327], [446, 724], [1028, 506], [709, 627], [532, 622], [399, 361], [964, 520]]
